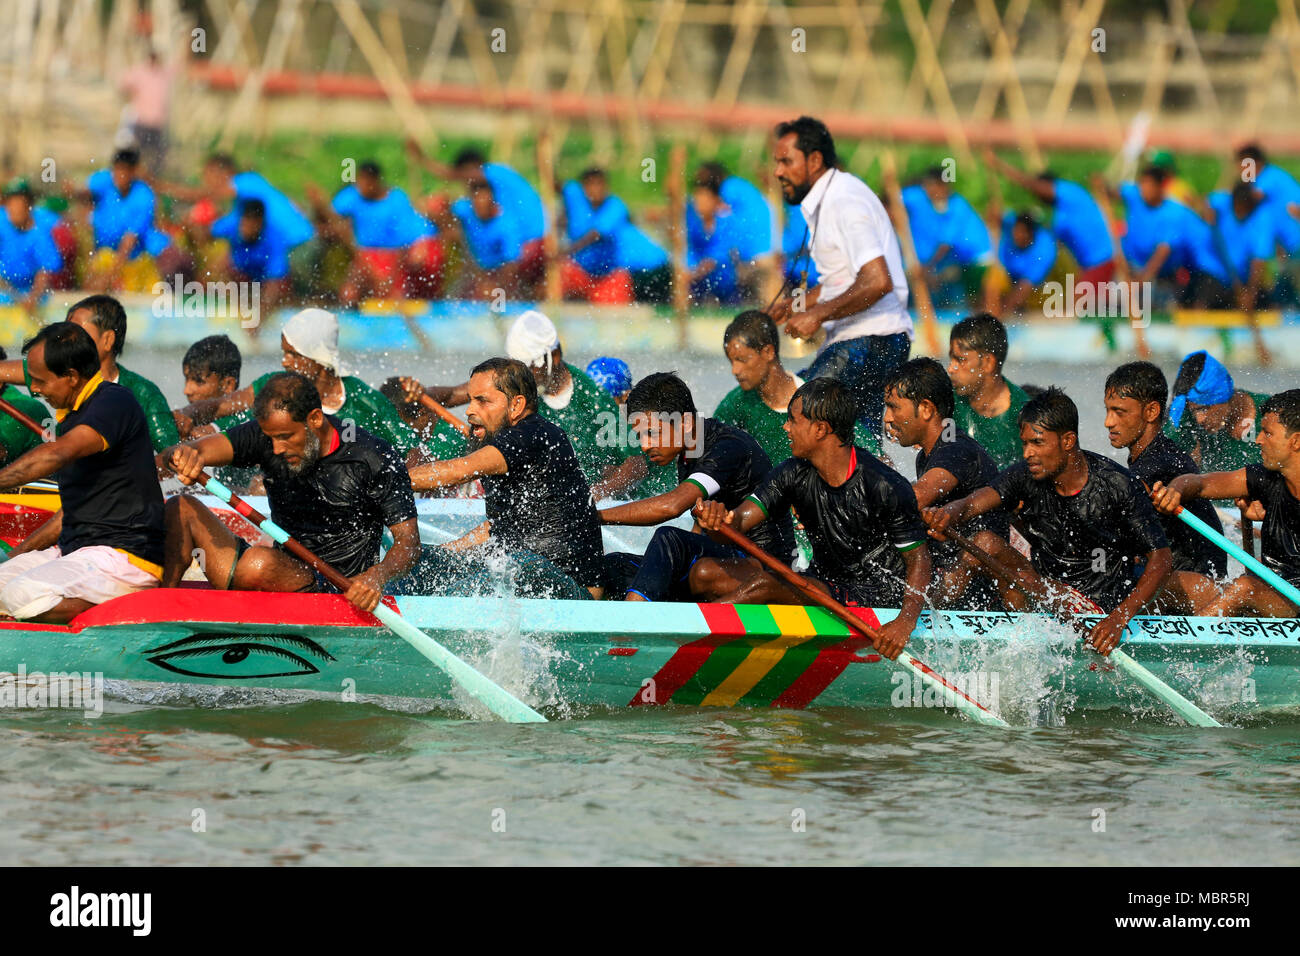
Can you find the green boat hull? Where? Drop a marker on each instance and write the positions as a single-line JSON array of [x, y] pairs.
[[575, 657]]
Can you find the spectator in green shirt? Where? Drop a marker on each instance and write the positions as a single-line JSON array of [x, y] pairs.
[[988, 405], [1211, 419], [104, 318], [309, 342]]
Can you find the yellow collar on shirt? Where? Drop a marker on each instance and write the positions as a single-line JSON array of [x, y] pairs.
[[89, 389]]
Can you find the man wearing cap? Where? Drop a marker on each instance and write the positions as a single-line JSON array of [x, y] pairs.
[[1212, 420], [861, 297], [309, 342], [569, 398], [29, 258]]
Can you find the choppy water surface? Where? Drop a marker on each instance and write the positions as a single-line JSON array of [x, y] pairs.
[[332, 783]]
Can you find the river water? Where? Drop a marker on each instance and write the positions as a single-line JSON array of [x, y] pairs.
[[333, 783]]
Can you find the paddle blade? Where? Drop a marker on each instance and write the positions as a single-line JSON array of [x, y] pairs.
[[1176, 702]]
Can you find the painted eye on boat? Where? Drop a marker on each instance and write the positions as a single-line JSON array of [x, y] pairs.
[[240, 656]]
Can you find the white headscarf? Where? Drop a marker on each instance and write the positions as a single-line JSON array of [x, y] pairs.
[[314, 333], [532, 339]]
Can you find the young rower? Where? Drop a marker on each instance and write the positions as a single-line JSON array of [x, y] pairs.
[[1211, 419], [103, 317], [949, 466], [17, 439], [988, 406], [539, 507], [108, 538], [335, 496], [211, 367], [868, 540], [713, 460], [310, 346], [1135, 396], [1088, 520], [1275, 483]]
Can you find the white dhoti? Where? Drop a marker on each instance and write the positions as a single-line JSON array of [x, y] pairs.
[[35, 582]]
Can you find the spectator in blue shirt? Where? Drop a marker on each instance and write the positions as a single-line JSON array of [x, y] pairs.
[[957, 248], [752, 223], [490, 236], [518, 200], [258, 253], [221, 182], [1282, 195], [1207, 283], [379, 224], [122, 222], [594, 219], [1027, 251], [1149, 240], [1246, 235], [712, 247], [28, 257]]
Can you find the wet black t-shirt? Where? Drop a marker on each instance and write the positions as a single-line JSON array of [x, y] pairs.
[[1164, 461], [1092, 540], [1280, 534], [858, 530], [729, 466], [966, 460], [543, 502], [338, 509], [112, 497]]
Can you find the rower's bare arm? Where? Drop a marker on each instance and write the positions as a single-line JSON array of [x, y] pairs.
[[958, 512], [935, 485], [919, 571], [46, 536], [1109, 631], [471, 539], [456, 471], [1215, 484], [621, 477], [405, 550], [655, 510], [51, 456], [11, 372], [187, 459], [449, 395]]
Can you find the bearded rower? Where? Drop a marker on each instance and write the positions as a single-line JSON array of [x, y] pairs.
[[950, 465], [539, 508], [1275, 484], [868, 540], [335, 496], [108, 538], [1088, 521]]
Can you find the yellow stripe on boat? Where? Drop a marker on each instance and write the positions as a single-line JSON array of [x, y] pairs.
[[1225, 318], [796, 628], [45, 500]]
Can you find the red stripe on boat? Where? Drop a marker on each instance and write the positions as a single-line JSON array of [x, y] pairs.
[[725, 625], [171, 605], [826, 666]]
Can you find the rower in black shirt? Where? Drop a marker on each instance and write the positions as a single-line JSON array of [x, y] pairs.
[[950, 465], [539, 507], [1273, 484], [1088, 521], [107, 540], [714, 460], [868, 540], [333, 486], [1135, 397]]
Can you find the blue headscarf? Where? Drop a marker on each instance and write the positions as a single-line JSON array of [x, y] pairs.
[[611, 374], [1213, 387]]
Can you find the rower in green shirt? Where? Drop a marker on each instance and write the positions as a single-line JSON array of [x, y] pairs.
[[310, 345], [759, 402], [988, 405], [105, 319], [15, 439], [1212, 420]]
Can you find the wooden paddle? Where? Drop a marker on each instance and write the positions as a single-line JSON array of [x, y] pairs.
[[441, 411], [952, 694], [1176, 702], [22, 419], [500, 701]]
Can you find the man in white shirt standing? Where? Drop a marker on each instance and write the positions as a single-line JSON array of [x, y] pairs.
[[861, 299]]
